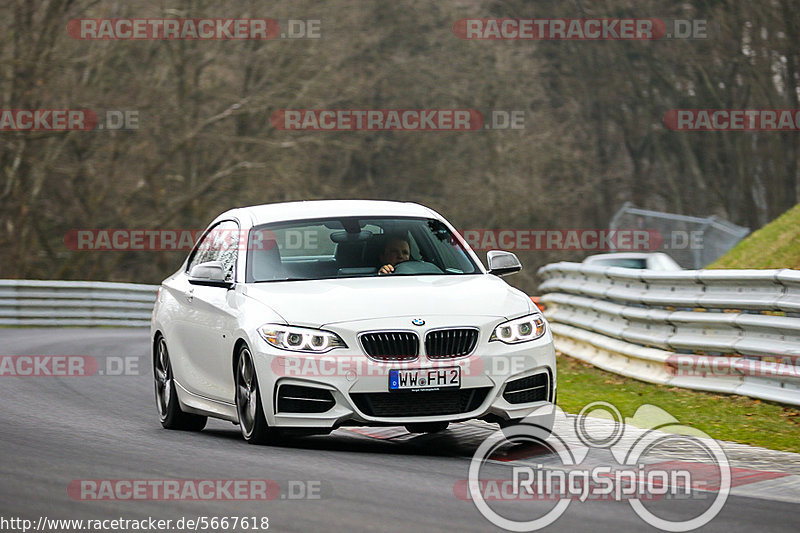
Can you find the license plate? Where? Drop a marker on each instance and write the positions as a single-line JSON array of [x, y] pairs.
[[425, 379]]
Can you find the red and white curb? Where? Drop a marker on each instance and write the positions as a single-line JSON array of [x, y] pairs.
[[756, 472]]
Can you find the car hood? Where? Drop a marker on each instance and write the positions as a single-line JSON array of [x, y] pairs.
[[315, 303]]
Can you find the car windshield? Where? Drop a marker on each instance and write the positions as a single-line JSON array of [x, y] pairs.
[[354, 247], [622, 262]]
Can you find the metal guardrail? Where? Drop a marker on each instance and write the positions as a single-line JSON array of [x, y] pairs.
[[716, 330], [75, 303], [735, 331]]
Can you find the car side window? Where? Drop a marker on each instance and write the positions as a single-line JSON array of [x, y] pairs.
[[221, 243]]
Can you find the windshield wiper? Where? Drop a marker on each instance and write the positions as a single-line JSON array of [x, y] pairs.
[[283, 279]]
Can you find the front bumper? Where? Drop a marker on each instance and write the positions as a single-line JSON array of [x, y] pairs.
[[357, 384]]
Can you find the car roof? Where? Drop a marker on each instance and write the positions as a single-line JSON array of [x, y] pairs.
[[620, 255], [266, 213], [652, 260]]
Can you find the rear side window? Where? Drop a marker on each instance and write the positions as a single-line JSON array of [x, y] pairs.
[[624, 263]]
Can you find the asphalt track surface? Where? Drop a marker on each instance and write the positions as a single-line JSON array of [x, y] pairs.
[[59, 429]]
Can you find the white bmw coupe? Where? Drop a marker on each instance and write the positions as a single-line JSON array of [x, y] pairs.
[[303, 317]]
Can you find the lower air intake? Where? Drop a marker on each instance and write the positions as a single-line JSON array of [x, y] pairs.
[[421, 403], [299, 399], [534, 388]]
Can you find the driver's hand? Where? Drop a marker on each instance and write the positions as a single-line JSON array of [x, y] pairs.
[[386, 269]]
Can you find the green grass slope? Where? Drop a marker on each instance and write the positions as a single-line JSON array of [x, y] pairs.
[[776, 245]]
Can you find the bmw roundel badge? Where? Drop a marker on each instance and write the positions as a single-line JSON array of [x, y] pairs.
[[418, 322]]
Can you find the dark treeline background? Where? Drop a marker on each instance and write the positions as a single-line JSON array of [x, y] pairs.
[[594, 135]]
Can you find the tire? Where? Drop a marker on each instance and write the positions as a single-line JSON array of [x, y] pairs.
[[249, 408], [169, 411], [427, 427]]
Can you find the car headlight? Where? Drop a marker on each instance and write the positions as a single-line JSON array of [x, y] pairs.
[[526, 328], [300, 339]]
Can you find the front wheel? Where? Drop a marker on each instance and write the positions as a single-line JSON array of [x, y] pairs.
[[169, 411], [252, 421]]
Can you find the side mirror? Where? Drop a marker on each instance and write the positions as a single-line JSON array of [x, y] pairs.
[[502, 263], [211, 273]]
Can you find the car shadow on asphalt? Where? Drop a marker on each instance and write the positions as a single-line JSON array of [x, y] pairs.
[[459, 440]]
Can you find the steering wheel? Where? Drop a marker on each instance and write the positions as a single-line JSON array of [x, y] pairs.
[[416, 267]]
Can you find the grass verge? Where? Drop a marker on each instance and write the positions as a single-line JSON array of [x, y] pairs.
[[773, 246], [722, 416]]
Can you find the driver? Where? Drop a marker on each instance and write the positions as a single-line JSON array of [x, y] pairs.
[[396, 251]]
